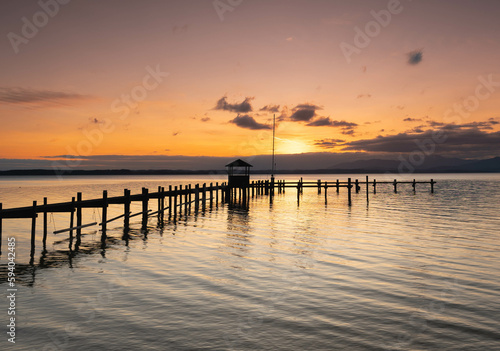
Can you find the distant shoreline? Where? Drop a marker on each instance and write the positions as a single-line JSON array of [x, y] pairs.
[[43, 172]]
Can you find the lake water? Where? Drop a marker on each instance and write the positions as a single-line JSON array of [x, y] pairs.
[[408, 271]]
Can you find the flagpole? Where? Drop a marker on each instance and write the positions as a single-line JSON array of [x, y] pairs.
[[274, 133]]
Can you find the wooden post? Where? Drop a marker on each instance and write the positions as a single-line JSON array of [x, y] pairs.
[[414, 184], [357, 186], [301, 186], [159, 202], [169, 201], [126, 209], [104, 211], [326, 190], [267, 187], [374, 186], [216, 193], [319, 186], [204, 197], [71, 219], [44, 221], [349, 186], [197, 197], [338, 186], [211, 195], [222, 193], [432, 186], [395, 186], [180, 200], [367, 196], [145, 199], [186, 201], [175, 202], [33, 228], [298, 191], [189, 196], [162, 203], [78, 213], [283, 184]]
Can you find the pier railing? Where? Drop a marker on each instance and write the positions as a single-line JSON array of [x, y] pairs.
[[177, 200]]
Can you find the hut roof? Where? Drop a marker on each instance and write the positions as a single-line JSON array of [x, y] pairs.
[[239, 163]]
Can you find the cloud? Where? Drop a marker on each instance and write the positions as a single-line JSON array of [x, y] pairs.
[[304, 112], [415, 57], [459, 141], [328, 143], [326, 121], [360, 96], [412, 119], [248, 122], [22, 96], [271, 108], [205, 119], [484, 125], [242, 107]]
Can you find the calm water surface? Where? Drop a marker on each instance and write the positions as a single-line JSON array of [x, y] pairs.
[[406, 272]]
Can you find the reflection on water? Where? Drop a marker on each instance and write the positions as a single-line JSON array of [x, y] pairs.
[[407, 272]]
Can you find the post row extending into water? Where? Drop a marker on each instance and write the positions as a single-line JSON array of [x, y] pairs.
[[177, 200]]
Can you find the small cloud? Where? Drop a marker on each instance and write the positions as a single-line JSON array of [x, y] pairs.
[[363, 69], [289, 39], [400, 107], [328, 143], [175, 133], [360, 96], [248, 122], [412, 119], [242, 107], [271, 108], [304, 112], [415, 57], [326, 121], [21, 95], [205, 119]]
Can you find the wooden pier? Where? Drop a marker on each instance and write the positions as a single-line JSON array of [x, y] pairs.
[[177, 201]]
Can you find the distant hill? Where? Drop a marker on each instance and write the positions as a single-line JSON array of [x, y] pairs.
[[431, 164]]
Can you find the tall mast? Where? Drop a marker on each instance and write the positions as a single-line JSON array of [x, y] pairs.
[[274, 133]]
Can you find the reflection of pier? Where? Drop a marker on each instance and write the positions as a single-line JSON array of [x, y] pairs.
[[180, 200]]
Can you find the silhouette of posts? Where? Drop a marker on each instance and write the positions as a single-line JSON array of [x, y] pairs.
[[395, 183], [319, 186], [374, 186], [432, 186], [413, 185]]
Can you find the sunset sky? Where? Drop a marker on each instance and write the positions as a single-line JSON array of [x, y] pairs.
[[119, 80]]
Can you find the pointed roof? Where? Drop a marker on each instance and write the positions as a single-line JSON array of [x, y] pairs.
[[239, 163]]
